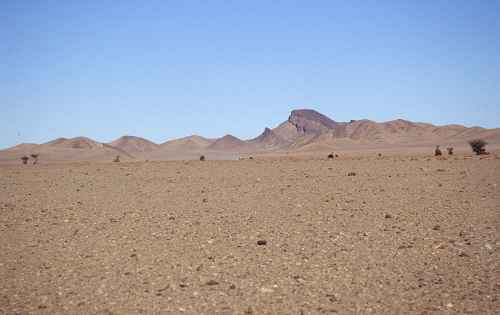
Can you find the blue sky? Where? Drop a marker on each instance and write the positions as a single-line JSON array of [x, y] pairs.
[[166, 69]]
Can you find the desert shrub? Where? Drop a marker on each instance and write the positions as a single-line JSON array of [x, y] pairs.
[[478, 146], [450, 150], [437, 151], [202, 158], [35, 158], [117, 159], [25, 159]]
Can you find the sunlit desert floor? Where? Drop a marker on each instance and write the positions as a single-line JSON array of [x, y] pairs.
[[405, 235]]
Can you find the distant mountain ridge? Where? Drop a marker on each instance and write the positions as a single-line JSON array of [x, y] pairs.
[[304, 130]]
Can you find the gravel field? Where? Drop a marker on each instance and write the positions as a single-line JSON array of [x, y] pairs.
[[401, 235]]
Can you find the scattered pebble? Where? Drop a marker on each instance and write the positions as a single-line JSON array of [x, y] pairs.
[[212, 282], [266, 290]]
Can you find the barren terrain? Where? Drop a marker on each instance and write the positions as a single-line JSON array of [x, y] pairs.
[[305, 132], [405, 235]]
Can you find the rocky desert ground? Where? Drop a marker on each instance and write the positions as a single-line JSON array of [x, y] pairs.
[[286, 235]]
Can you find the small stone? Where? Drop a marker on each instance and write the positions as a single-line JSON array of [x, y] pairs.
[[440, 246], [212, 282], [266, 290], [388, 216], [261, 242]]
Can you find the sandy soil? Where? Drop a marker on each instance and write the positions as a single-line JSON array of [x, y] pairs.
[[405, 235]]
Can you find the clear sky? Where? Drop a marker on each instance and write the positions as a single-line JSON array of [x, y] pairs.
[[165, 69]]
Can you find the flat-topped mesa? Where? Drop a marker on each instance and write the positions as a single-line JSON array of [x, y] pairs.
[[308, 121]]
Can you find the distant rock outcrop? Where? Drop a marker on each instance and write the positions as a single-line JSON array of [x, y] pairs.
[[308, 121], [269, 139]]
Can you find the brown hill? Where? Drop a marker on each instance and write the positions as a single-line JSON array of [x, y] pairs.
[[134, 145], [396, 133], [22, 147], [186, 148], [310, 121], [191, 143], [63, 149], [269, 139], [228, 143], [308, 130], [74, 143]]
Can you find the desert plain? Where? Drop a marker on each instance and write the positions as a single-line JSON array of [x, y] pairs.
[[404, 234]]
